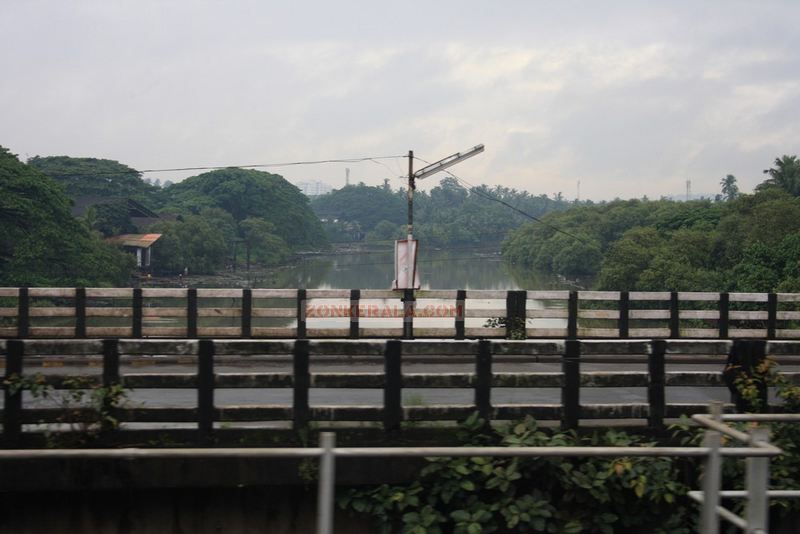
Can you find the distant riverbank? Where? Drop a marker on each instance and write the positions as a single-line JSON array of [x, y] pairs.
[[363, 266]]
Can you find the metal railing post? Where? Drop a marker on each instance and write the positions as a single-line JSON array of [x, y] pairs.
[[757, 480], [712, 475], [712, 478], [326, 488]]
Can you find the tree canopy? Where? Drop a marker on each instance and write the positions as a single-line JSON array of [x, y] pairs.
[[748, 243], [246, 194], [92, 177], [41, 243], [449, 215], [785, 174]]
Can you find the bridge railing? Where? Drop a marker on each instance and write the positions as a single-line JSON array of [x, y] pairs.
[[208, 416], [337, 313]]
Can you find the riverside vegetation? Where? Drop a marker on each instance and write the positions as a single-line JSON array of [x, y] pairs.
[[736, 242], [576, 495], [204, 219]]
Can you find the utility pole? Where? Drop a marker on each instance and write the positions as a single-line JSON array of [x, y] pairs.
[[433, 168], [410, 195]]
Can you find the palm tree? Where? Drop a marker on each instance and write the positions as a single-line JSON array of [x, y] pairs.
[[729, 188], [785, 174]]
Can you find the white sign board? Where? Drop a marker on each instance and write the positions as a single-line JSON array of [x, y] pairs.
[[405, 264]]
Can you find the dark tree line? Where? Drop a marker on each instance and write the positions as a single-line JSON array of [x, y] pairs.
[[747, 243], [207, 220], [449, 214]]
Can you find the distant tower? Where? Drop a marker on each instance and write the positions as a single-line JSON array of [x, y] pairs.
[[346, 177], [578, 197], [688, 190]]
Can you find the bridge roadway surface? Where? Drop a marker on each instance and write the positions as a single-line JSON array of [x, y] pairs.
[[187, 398]]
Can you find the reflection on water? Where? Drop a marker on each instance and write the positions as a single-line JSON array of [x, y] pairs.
[[439, 269]]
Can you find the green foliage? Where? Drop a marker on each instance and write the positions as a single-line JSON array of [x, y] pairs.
[[784, 175], [97, 178], [449, 214], [385, 231], [76, 393], [785, 468], [361, 204], [729, 188], [748, 243], [246, 194], [193, 242], [110, 218], [41, 243], [475, 495], [261, 242]]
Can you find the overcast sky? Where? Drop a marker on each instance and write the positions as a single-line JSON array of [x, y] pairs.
[[630, 98]]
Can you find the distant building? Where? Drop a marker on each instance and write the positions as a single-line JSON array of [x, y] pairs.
[[314, 189], [137, 244]]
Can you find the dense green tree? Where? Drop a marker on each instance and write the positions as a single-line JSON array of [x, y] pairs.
[[110, 218], [361, 204], [685, 262], [385, 231], [628, 258], [261, 243], [449, 215], [41, 243], [729, 188], [97, 178], [749, 243], [249, 193], [758, 271], [785, 175], [191, 242]]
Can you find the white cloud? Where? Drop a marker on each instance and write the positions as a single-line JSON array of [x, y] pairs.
[[630, 98]]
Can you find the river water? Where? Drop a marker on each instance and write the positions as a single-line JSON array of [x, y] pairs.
[[439, 269]]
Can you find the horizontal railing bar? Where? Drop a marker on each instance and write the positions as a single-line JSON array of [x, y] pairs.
[[150, 292], [274, 293], [374, 380], [588, 452], [547, 295], [778, 494], [379, 452], [535, 347], [649, 295], [698, 296], [218, 293], [761, 417], [707, 421], [598, 295], [109, 292], [133, 453]]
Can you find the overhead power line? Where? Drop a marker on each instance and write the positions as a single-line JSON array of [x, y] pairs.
[[374, 159], [487, 196]]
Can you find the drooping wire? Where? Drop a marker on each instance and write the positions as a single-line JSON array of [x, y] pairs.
[[487, 196], [374, 159]]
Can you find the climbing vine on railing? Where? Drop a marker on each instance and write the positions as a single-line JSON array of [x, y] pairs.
[[87, 409]]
